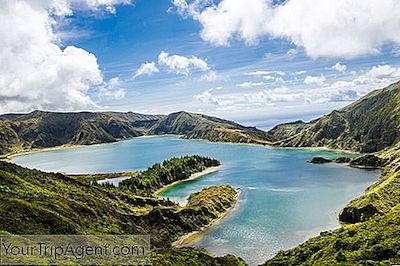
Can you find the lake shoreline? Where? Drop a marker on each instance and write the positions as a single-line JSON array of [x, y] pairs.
[[194, 176], [189, 239], [8, 157]]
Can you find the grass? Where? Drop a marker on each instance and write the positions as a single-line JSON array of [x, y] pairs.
[[34, 202]]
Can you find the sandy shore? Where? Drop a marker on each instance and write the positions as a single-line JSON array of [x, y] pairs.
[[188, 239], [206, 171]]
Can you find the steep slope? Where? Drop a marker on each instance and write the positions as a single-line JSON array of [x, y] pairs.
[[19, 132], [46, 129], [370, 124], [34, 202], [198, 126]]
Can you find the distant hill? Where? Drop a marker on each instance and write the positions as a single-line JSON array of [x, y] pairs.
[[370, 124], [20, 132], [198, 126]]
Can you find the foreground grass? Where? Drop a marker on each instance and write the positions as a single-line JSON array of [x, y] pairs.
[[34, 202]]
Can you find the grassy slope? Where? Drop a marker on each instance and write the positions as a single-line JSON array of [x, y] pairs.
[[46, 129], [375, 242], [198, 126], [373, 235], [38, 129], [34, 202], [368, 125]]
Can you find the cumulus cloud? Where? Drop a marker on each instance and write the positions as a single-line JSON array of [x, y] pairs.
[[146, 69], [181, 64], [315, 80], [35, 73], [353, 28], [206, 97], [339, 67], [112, 89]]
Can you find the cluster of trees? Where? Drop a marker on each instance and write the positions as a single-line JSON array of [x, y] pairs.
[[169, 171]]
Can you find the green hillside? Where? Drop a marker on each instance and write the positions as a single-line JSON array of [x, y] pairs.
[[370, 124], [371, 231], [198, 126], [34, 202], [36, 130]]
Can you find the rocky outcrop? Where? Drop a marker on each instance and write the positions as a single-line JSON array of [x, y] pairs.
[[368, 161], [342, 160], [353, 215], [319, 160]]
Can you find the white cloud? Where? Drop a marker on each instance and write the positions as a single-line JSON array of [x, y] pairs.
[[265, 97], [340, 90], [339, 67], [268, 77], [324, 28], [146, 69], [112, 90], [35, 73], [315, 80], [279, 80], [181, 64], [211, 76], [261, 73], [301, 72], [206, 97], [249, 84]]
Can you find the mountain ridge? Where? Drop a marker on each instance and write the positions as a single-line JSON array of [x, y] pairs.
[[370, 124], [42, 129]]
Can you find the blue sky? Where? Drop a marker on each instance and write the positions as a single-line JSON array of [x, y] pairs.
[[254, 76]]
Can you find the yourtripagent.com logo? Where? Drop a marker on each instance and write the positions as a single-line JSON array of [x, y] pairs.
[[74, 249]]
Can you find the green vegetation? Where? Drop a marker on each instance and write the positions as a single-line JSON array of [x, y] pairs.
[[371, 233], [172, 170], [374, 242], [192, 257], [88, 178], [34, 202], [37, 130], [198, 126], [368, 125]]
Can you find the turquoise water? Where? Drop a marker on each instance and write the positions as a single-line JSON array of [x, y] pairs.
[[283, 201]]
